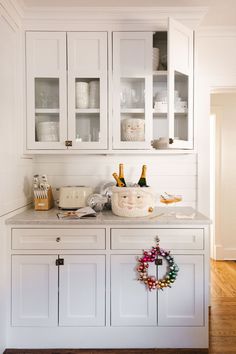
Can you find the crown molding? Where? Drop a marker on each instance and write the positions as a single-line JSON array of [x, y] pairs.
[[216, 31], [189, 15], [10, 10]]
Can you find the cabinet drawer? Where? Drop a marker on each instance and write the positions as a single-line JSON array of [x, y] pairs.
[[174, 239], [58, 239]]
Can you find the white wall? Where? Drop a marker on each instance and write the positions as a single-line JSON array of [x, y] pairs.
[[214, 68], [224, 108], [173, 174], [16, 171]]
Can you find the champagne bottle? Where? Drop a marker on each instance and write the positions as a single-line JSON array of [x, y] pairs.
[[119, 183], [121, 173], [142, 180]]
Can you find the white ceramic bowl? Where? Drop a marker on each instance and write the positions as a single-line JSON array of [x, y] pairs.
[[132, 201], [47, 131]]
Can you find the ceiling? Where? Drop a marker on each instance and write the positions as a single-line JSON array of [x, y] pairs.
[[220, 12]]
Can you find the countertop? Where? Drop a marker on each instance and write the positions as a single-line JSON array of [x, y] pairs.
[[157, 217]]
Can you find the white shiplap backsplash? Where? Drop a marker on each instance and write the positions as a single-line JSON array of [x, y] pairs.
[[165, 173]]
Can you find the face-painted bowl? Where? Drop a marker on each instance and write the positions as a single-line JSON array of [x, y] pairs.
[[132, 201]]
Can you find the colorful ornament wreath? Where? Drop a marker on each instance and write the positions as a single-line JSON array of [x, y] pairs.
[[152, 256]]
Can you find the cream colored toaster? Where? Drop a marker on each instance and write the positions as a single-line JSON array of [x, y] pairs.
[[74, 197]]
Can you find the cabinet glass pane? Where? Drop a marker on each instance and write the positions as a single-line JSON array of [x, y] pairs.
[[87, 127], [132, 107], [160, 105], [46, 127], [132, 127], [159, 54], [181, 83], [87, 93], [47, 109], [132, 93], [87, 110], [46, 93]]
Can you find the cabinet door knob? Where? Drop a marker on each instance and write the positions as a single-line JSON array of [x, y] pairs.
[[58, 239], [68, 143], [171, 141]]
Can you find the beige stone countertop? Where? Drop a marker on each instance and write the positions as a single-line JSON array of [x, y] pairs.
[[160, 216]]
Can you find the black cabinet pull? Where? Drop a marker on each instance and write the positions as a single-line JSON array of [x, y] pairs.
[[59, 261]]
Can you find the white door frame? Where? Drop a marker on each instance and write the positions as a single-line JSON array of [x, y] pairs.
[[215, 226]]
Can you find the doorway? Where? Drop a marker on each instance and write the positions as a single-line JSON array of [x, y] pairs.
[[223, 174]]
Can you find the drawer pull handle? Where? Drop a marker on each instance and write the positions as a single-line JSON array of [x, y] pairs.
[[58, 239]]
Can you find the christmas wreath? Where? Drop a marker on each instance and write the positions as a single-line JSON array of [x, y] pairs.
[[153, 255]]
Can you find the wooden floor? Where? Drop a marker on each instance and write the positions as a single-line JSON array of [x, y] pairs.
[[222, 320], [223, 308]]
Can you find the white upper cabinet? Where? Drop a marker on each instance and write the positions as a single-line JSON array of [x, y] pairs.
[[46, 90], [153, 88], [87, 90], [150, 92], [66, 107], [132, 87]]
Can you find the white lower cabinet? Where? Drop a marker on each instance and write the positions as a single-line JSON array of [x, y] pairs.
[[131, 304], [82, 291], [34, 290], [81, 285], [180, 305], [183, 303], [40, 288]]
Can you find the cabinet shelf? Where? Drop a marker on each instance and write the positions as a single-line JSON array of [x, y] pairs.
[[177, 114], [132, 110], [160, 73], [87, 110], [47, 110]]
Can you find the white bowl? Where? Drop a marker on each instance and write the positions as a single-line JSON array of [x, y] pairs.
[[47, 131]]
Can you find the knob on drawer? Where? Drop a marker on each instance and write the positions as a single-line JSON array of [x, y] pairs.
[[58, 239]]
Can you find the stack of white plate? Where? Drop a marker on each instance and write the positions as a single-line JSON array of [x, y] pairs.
[[161, 96], [160, 102], [94, 96], [82, 94], [155, 58], [47, 131]]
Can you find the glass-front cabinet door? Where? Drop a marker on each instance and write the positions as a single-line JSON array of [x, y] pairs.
[[180, 76], [173, 87], [132, 87], [46, 90], [153, 89], [87, 90], [160, 93]]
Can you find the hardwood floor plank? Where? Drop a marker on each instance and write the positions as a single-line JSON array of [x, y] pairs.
[[223, 308], [106, 351]]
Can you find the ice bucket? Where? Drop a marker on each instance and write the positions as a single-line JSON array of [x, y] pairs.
[[132, 201]]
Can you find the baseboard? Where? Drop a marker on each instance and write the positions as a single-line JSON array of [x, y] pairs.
[[230, 254], [104, 351], [223, 253]]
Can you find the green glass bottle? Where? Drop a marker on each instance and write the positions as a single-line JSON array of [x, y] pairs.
[[142, 180], [121, 173], [119, 183]]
